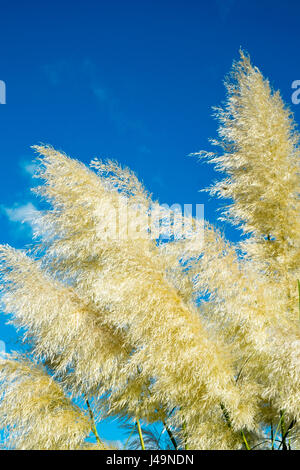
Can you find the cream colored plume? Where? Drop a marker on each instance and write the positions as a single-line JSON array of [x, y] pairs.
[[197, 332], [35, 412]]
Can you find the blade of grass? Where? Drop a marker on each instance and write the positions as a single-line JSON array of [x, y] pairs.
[[184, 431], [277, 429], [272, 432], [170, 434], [132, 431], [228, 422], [283, 434], [259, 444]]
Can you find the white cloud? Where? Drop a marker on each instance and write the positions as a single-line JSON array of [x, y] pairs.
[[29, 167], [2, 349], [26, 213]]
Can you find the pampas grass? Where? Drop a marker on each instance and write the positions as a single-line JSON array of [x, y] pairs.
[[202, 338]]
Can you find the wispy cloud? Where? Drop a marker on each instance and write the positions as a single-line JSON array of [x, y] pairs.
[[158, 180], [26, 214], [224, 8], [85, 73], [106, 98], [144, 149], [2, 349], [55, 71], [29, 167]]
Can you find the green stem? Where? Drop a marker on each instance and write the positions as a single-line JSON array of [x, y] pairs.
[[272, 435], [93, 425], [283, 435], [226, 415], [277, 429], [184, 431], [259, 444], [140, 434], [170, 434], [228, 422], [245, 441], [132, 431]]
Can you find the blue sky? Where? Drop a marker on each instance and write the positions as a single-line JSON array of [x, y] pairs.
[[129, 80]]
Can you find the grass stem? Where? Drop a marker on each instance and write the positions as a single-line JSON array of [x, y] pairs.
[[140, 434], [93, 425]]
